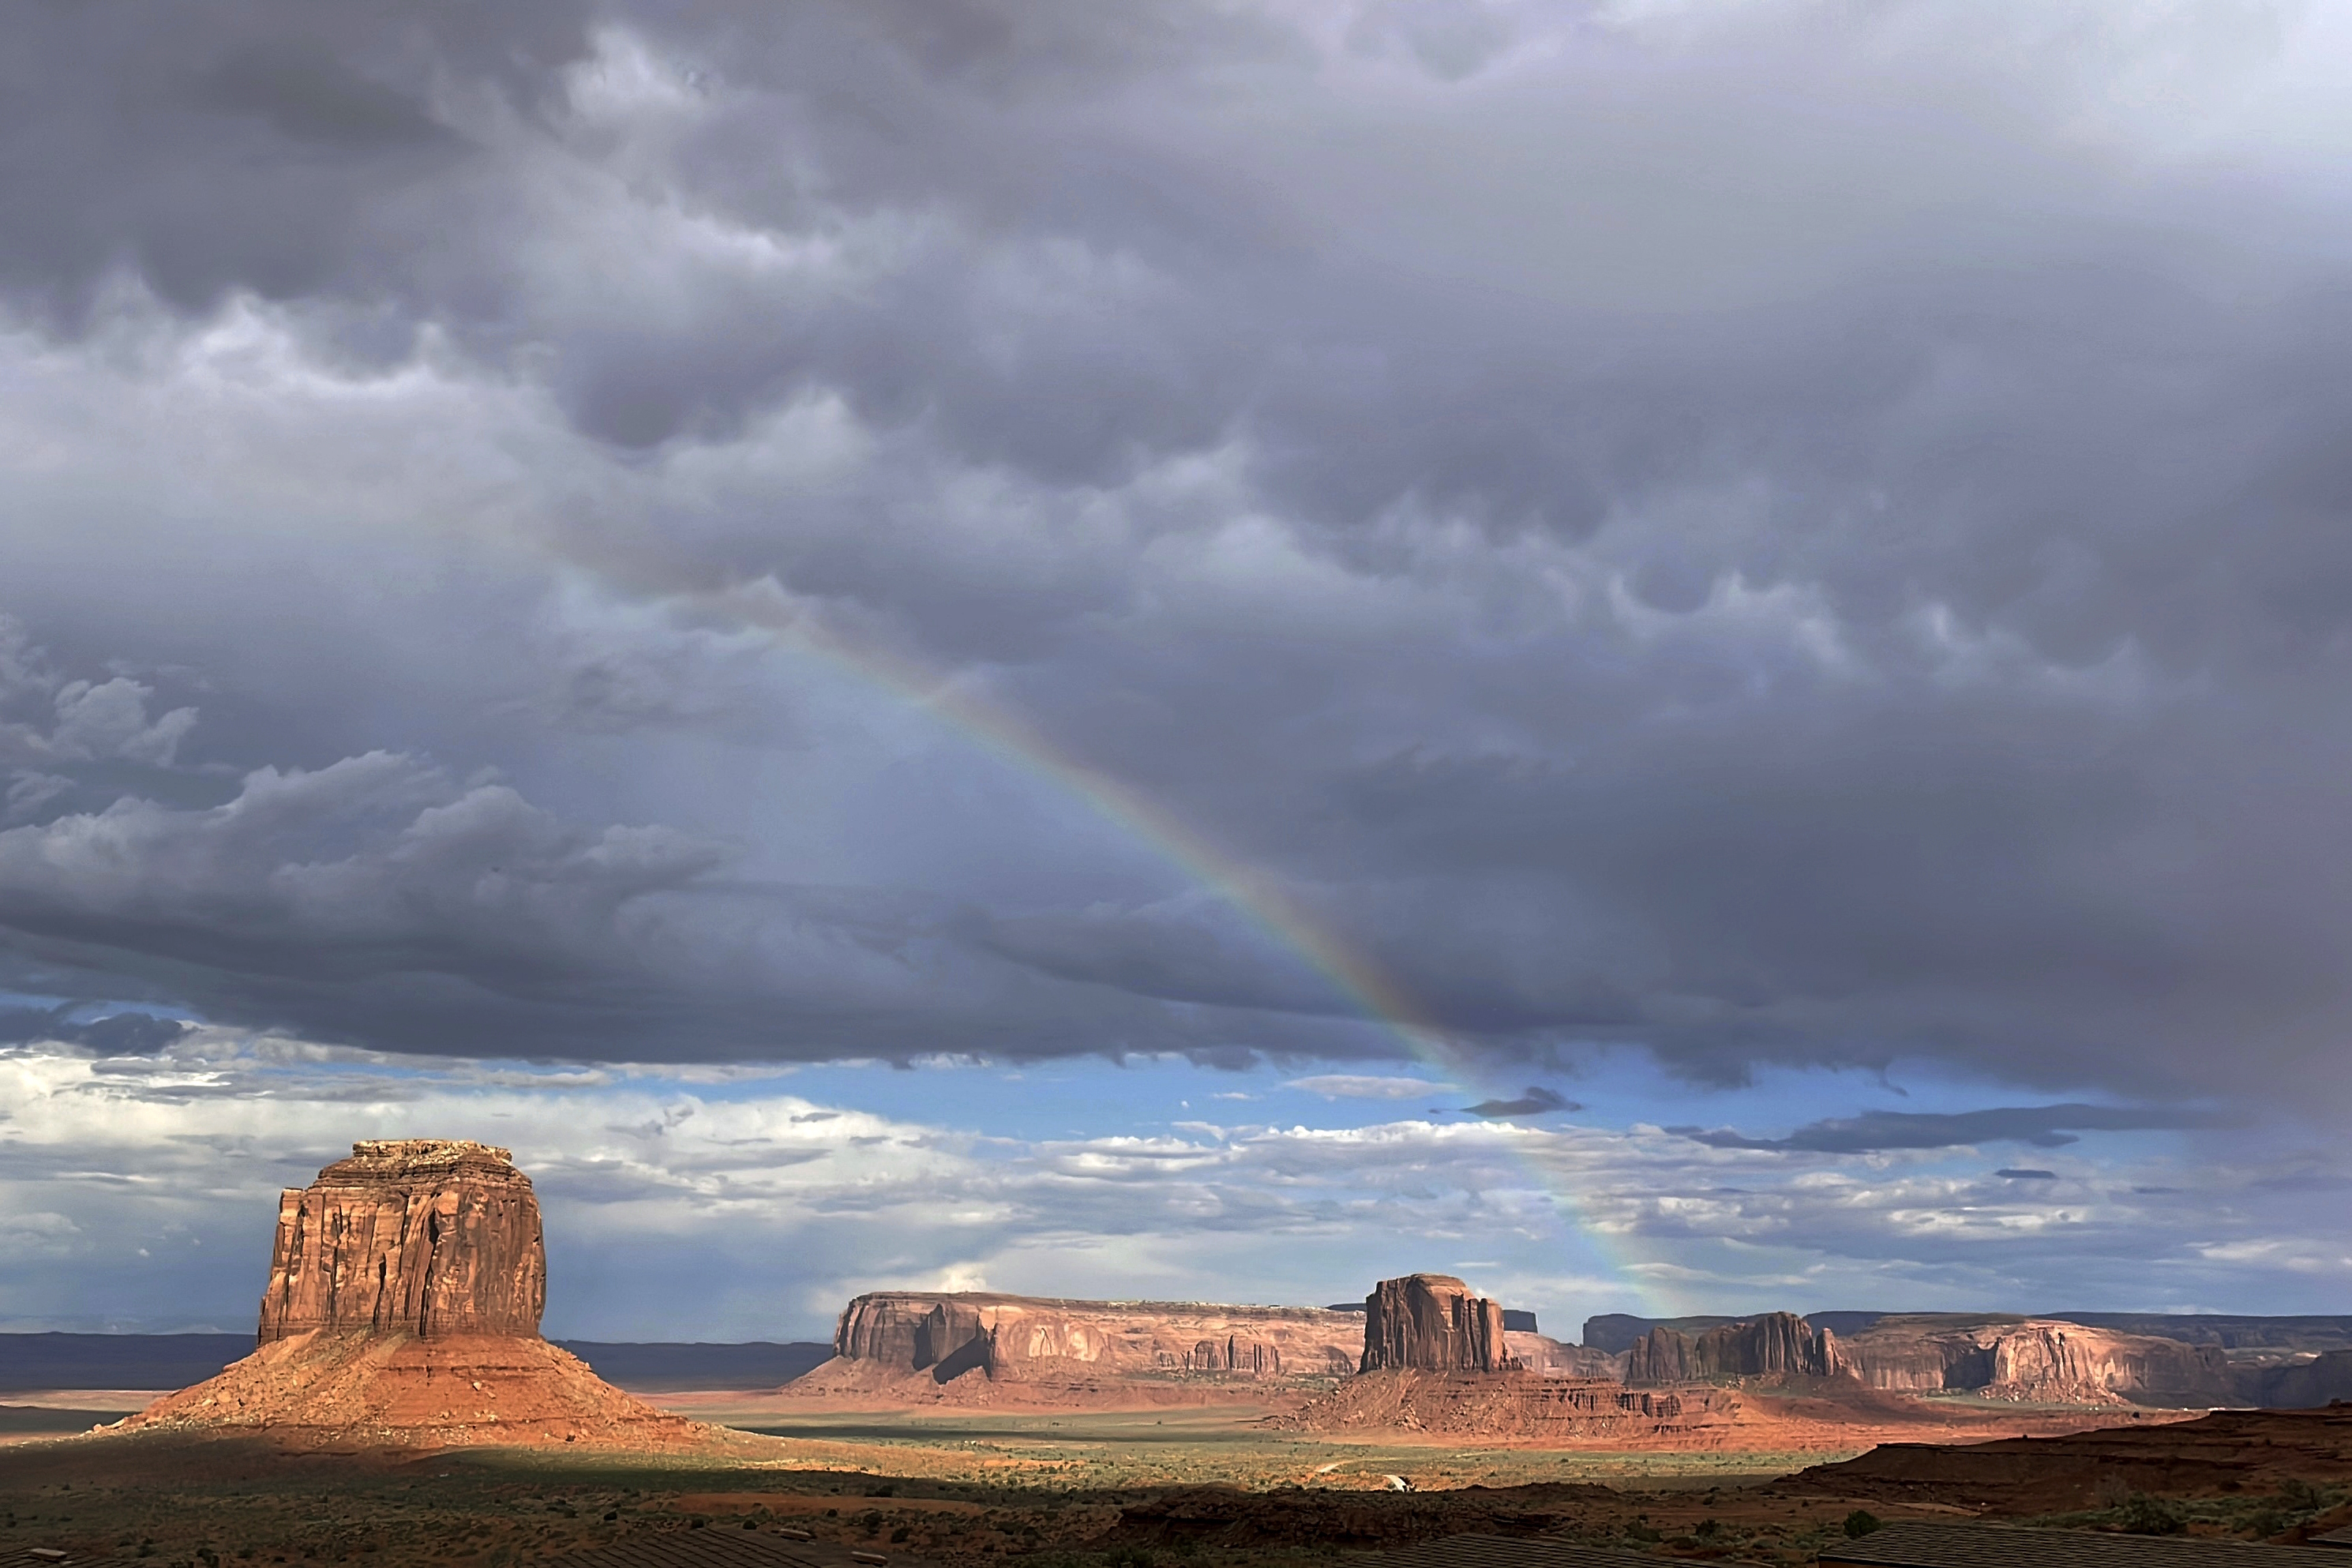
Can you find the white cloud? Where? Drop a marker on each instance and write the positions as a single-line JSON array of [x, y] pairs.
[[782, 1203], [1359, 1086]]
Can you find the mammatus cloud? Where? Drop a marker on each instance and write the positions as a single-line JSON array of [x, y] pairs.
[[2041, 1126], [1823, 574]]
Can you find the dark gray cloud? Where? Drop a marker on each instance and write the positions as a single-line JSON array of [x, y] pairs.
[[1537, 1101], [1835, 572], [379, 902], [2041, 1126], [115, 1035], [2025, 1173]]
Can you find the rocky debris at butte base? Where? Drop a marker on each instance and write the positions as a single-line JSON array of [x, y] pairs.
[[402, 1311], [1432, 1323], [1551, 1411]]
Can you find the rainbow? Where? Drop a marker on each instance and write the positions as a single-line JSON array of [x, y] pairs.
[[1259, 899]]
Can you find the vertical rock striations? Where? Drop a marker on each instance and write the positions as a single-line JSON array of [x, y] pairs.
[[1776, 1345], [1431, 1323], [431, 1237]]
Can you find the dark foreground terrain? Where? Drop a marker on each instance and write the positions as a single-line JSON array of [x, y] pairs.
[[205, 1503]]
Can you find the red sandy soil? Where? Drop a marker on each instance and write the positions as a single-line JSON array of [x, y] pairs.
[[326, 1390]]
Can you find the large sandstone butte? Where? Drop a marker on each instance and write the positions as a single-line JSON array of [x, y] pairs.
[[402, 1312], [960, 1347], [1776, 1346], [1431, 1323], [436, 1238]]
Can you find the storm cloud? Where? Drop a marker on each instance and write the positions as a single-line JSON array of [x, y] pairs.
[[2041, 1126], [1764, 535]]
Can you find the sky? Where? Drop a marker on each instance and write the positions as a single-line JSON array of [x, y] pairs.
[[1679, 656]]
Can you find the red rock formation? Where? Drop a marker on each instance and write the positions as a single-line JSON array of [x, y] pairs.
[[1431, 1323], [1541, 1352], [912, 1342], [2035, 1360], [1521, 1406], [432, 1236], [403, 1312], [1776, 1346]]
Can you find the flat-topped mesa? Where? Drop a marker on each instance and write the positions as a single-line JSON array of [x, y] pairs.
[[936, 1337], [1431, 1323], [1776, 1346], [426, 1235]]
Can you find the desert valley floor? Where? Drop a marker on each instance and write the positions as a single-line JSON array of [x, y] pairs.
[[1120, 1490]]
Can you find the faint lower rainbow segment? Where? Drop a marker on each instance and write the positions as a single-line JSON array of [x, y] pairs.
[[1259, 899]]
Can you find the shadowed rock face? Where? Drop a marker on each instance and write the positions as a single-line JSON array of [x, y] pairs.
[[428, 1236], [1431, 1323], [1777, 1344]]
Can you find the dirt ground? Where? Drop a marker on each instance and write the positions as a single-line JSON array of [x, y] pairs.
[[1191, 1489]]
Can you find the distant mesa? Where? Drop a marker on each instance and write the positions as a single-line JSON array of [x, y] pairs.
[[402, 1311], [2039, 1360], [1995, 1357], [966, 1347]]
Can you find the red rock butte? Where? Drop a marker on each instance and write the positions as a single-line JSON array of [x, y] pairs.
[[435, 1236], [402, 1313], [1431, 1323]]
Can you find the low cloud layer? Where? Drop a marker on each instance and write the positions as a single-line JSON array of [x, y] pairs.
[[138, 1191]]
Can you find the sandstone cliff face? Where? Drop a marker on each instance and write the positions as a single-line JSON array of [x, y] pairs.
[[426, 1235], [1778, 1345], [896, 1334], [2035, 1360], [1431, 1323]]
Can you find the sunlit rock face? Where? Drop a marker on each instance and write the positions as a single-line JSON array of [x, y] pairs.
[[942, 1336], [2038, 1359], [1432, 1323], [427, 1237]]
